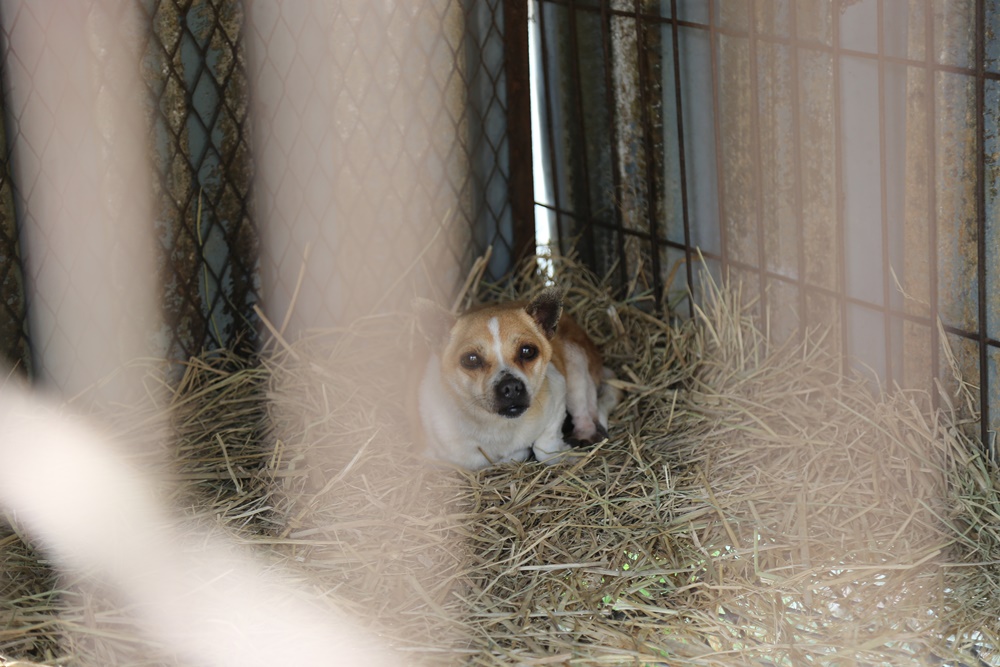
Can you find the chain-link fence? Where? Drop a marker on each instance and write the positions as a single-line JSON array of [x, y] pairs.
[[382, 147], [195, 71], [13, 320], [387, 140]]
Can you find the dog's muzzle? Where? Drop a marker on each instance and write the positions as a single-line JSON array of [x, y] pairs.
[[511, 397]]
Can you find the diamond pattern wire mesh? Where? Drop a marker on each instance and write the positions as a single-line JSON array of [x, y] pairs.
[[489, 140], [16, 349], [73, 74], [351, 110], [194, 65], [194, 70], [409, 137]]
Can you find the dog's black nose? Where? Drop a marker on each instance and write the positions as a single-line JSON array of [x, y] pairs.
[[511, 397], [510, 388]]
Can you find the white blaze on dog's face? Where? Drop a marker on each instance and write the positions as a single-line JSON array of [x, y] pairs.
[[495, 358]]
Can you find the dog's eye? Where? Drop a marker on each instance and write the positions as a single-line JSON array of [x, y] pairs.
[[528, 352], [471, 361]]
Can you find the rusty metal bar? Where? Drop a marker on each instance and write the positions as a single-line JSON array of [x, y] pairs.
[[980, 112], [648, 149], [685, 218]]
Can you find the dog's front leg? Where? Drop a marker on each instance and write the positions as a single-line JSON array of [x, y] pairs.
[[549, 446]]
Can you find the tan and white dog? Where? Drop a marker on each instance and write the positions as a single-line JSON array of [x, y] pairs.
[[501, 379]]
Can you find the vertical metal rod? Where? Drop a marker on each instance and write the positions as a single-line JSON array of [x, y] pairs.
[[720, 185], [681, 157], [798, 171], [590, 256], [884, 194], [553, 162], [648, 149], [616, 177], [756, 155], [984, 369], [838, 138], [930, 95]]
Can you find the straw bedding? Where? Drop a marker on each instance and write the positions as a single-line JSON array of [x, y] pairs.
[[753, 506]]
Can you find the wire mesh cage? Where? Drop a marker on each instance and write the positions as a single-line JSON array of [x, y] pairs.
[[13, 323], [380, 148], [194, 67], [668, 129], [313, 164], [412, 138], [835, 157]]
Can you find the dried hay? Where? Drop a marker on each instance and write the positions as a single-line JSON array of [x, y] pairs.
[[752, 507]]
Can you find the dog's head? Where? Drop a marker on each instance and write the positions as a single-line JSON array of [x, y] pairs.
[[494, 359]]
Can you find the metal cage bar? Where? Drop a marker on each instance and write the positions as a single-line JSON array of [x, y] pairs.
[[755, 155], [681, 157], [928, 64], [648, 149], [980, 112], [800, 245], [884, 189], [838, 160]]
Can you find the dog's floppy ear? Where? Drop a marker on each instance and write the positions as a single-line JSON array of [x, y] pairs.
[[433, 321], [545, 309]]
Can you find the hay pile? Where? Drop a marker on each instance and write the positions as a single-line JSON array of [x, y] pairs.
[[752, 507]]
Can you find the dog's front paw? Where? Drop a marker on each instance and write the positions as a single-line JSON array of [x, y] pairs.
[[550, 452], [599, 436], [583, 431]]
